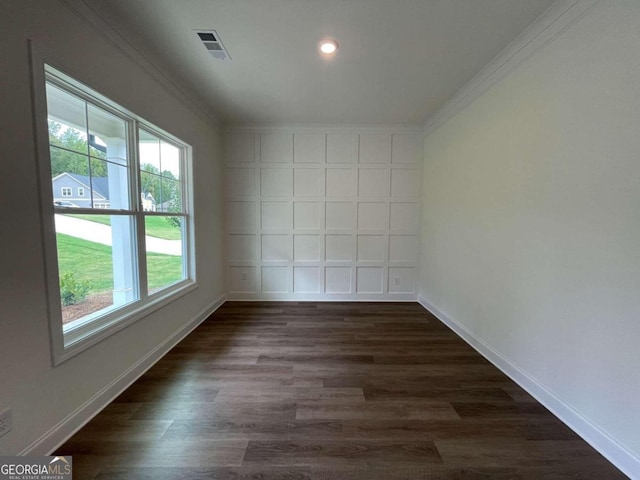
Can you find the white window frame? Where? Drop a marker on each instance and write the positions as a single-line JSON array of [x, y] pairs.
[[66, 192], [71, 339], [80, 191]]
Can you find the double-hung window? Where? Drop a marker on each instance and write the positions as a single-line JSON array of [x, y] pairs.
[[122, 247]]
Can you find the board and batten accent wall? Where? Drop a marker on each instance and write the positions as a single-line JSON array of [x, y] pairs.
[[323, 213]]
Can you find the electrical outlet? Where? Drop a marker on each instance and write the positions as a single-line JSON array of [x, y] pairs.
[[396, 280], [6, 422]]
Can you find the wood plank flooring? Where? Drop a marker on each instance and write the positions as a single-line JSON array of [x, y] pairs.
[[328, 391]]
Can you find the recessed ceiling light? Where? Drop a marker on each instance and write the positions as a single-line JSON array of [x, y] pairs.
[[328, 47]]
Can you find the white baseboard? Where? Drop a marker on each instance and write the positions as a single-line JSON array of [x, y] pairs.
[[598, 438], [321, 297], [65, 429]]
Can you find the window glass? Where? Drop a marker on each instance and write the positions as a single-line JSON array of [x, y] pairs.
[[169, 160], [163, 240], [107, 188], [149, 146], [110, 185], [101, 168], [161, 183], [96, 253], [107, 136], [95, 263], [67, 117], [161, 173]]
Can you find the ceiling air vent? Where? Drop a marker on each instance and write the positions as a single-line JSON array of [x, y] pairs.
[[213, 44]]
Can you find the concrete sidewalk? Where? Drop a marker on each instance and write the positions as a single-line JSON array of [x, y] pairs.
[[99, 233]]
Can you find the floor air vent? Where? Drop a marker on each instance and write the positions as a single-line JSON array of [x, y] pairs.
[[213, 44]]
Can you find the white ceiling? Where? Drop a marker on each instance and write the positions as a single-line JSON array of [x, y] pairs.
[[398, 61]]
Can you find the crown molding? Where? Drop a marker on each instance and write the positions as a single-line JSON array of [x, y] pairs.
[[93, 19], [555, 21], [324, 127]]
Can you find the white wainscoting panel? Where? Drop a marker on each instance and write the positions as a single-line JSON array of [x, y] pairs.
[[322, 213]]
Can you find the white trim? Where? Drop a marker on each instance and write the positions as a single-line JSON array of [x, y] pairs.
[[77, 419], [91, 331], [68, 342], [47, 211], [596, 436], [294, 128], [91, 17], [556, 20], [321, 297]]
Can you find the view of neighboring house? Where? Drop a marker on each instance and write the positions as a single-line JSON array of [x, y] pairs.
[[77, 189], [72, 190], [148, 202]]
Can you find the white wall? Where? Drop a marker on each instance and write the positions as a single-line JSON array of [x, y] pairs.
[[531, 226], [42, 396], [323, 212]]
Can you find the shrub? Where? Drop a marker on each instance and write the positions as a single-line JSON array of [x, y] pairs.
[[72, 290], [174, 206], [174, 221]]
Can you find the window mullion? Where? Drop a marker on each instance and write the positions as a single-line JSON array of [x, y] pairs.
[[136, 186], [142, 258], [86, 126], [185, 207]]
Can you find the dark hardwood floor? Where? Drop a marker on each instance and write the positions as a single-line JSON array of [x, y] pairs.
[[364, 391]]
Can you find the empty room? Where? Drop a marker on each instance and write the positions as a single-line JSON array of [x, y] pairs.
[[320, 239]]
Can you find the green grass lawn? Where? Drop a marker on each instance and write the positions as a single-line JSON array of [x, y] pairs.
[[155, 226], [92, 261], [160, 228]]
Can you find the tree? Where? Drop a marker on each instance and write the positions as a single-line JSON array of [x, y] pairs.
[[165, 190], [162, 185], [64, 160], [174, 206]]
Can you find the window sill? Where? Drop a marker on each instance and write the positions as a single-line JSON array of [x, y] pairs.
[[80, 337]]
